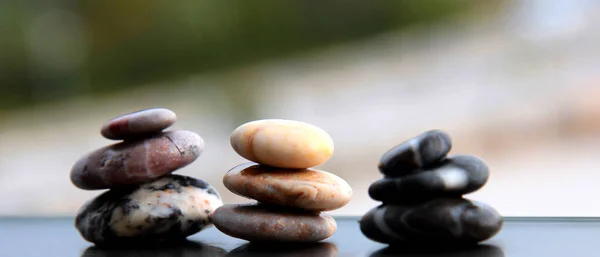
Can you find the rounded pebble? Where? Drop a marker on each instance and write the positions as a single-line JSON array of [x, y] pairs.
[[307, 189], [169, 208], [421, 151], [282, 143], [138, 124], [455, 176], [440, 221], [260, 222], [136, 162]]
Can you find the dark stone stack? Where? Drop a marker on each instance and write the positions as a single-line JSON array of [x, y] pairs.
[[422, 194]]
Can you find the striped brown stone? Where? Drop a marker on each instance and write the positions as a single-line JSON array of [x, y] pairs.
[[261, 222]]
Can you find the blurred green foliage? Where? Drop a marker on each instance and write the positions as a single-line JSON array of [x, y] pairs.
[[130, 43]]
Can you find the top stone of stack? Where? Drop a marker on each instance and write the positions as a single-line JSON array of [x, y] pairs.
[[138, 124], [426, 149], [282, 143], [145, 153]]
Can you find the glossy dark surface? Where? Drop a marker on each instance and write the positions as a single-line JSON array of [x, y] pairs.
[[527, 237], [444, 220]]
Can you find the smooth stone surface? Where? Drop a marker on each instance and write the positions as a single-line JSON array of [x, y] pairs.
[[261, 222], [169, 208], [136, 162], [440, 221], [455, 176], [282, 143], [138, 124], [307, 189], [421, 151]]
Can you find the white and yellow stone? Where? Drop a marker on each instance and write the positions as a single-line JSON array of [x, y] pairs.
[[172, 207], [282, 143]]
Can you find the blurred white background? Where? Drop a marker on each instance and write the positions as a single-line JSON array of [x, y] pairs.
[[520, 89]]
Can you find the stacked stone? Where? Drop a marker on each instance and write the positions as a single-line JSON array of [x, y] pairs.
[[422, 194], [145, 202], [291, 195]]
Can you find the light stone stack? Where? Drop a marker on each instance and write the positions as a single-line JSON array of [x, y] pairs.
[[145, 202], [291, 195], [422, 194]]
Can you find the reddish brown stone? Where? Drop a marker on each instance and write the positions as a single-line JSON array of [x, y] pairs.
[[137, 124], [136, 161], [260, 222], [307, 189]]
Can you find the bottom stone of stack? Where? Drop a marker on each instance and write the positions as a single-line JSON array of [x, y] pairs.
[[169, 208], [259, 222], [440, 221]]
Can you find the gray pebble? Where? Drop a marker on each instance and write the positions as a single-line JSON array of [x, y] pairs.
[[138, 124]]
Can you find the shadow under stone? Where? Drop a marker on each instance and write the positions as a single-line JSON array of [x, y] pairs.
[[446, 251], [322, 249], [175, 249]]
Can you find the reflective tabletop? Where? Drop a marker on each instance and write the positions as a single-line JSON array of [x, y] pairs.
[[519, 237]]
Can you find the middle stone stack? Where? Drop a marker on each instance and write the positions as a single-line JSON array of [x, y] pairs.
[[291, 196]]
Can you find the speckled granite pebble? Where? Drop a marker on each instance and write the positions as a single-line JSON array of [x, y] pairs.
[[138, 124], [307, 189], [440, 221], [421, 151], [169, 208], [136, 162], [455, 176], [260, 222], [282, 143]]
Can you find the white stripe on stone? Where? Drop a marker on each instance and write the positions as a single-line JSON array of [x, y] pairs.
[[453, 178], [146, 164]]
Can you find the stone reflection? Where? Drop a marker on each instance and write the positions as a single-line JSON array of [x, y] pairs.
[[184, 249], [431, 251], [321, 249]]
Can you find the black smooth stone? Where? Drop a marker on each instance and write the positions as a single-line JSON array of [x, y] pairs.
[[455, 176], [438, 222], [421, 151]]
